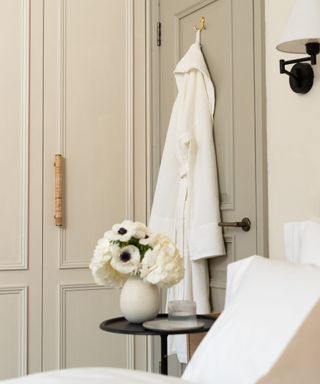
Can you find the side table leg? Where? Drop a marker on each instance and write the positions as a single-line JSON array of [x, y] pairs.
[[164, 354]]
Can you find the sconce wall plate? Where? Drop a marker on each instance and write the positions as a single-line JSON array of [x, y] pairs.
[[301, 78]]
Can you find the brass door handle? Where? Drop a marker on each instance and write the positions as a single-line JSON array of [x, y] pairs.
[[58, 197], [245, 224]]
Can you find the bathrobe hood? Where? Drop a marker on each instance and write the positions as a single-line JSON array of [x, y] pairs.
[[194, 60]]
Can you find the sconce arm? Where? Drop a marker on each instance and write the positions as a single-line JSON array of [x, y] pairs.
[[283, 63]]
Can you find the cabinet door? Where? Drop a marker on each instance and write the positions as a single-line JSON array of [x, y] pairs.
[[87, 119], [20, 191]]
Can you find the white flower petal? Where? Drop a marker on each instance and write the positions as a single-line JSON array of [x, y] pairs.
[[123, 231], [100, 267], [148, 262], [126, 266], [140, 230], [152, 240], [168, 267]]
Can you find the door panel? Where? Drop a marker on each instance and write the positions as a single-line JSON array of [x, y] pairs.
[[14, 99], [93, 112], [13, 331], [228, 47], [79, 332]]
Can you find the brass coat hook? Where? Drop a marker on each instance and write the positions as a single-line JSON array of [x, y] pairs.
[[202, 24]]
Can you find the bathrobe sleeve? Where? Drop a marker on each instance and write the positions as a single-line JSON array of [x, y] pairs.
[[205, 236]]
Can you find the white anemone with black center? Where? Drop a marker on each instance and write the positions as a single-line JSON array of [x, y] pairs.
[[121, 232], [126, 260], [126, 230]]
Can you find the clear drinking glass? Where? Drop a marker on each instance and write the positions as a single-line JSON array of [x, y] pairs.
[[182, 310]]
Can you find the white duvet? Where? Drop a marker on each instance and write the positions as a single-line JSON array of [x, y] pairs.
[[96, 376], [271, 308]]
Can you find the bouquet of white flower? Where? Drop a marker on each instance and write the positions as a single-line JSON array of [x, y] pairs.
[[130, 249]]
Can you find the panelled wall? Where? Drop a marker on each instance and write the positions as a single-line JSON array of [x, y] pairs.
[[67, 73]]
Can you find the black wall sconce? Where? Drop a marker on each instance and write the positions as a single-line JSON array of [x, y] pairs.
[[301, 35]]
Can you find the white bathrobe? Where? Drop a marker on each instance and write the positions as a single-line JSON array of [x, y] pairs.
[[186, 200]]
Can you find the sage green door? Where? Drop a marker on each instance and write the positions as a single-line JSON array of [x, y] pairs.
[[231, 44], [229, 49]]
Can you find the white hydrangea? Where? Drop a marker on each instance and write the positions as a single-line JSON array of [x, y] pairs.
[[102, 271], [163, 265], [148, 263]]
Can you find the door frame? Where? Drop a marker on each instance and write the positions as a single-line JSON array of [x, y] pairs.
[[152, 121], [260, 128]]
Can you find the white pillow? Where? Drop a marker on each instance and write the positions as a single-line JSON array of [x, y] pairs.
[[235, 274], [302, 241], [272, 300]]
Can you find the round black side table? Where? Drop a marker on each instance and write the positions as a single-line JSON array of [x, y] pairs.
[[121, 325]]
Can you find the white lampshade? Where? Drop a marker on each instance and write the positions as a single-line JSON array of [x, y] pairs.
[[303, 27]]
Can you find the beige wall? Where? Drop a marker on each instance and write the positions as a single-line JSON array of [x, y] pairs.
[[293, 132]]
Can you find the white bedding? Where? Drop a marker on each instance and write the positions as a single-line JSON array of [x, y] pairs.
[[268, 305], [96, 376]]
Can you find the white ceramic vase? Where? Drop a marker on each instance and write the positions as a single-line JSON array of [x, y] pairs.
[[139, 300]]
